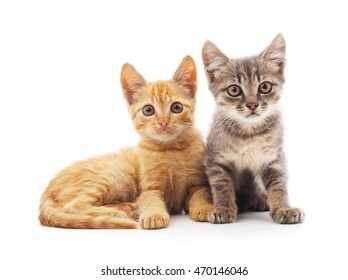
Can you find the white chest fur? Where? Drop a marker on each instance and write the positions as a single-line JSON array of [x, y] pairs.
[[251, 154]]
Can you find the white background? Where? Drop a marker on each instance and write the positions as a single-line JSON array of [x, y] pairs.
[[61, 101]]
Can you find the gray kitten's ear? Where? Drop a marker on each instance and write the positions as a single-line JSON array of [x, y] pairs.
[[186, 76], [213, 60], [274, 54], [132, 82]]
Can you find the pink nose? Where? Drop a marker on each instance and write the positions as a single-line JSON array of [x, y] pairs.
[[252, 105], [164, 123]]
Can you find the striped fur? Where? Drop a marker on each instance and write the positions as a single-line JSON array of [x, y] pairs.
[[245, 162], [139, 186]]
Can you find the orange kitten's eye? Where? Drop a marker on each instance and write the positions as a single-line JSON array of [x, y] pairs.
[[148, 110], [265, 87], [234, 91], [176, 107]]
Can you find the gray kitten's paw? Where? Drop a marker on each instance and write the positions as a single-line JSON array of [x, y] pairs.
[[222, 215], [262, 203], [287, 215]]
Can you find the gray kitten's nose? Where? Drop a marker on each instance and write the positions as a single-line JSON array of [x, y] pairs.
[[252, 105]]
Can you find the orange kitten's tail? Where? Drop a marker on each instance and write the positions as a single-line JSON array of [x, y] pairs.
[[57, 217]]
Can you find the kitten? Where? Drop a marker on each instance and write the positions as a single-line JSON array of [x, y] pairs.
[[160, 176], [245, 160]]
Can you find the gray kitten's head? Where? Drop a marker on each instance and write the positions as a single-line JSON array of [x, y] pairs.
[[246, 89]]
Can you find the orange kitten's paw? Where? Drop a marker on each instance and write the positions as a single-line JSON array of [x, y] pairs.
[[154, 220], [131, 210], [287, 215], [222, 215], [200, 213]]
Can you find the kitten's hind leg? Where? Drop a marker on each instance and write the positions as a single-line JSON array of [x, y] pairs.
[[129, 208], [262, 203], [78, 196]]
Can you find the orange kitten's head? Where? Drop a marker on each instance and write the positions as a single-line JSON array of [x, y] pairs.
[[163, 110]]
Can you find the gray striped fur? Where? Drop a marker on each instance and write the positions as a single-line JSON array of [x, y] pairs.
[[245, 162]]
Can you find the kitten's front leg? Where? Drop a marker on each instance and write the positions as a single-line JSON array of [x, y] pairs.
[[199, 203], [274, 179], [152, 210], [223, 190]]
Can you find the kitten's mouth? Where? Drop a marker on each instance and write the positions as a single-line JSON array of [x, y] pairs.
[[252, 115], [165, 130]]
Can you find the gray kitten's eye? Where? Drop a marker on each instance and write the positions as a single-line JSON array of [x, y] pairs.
[[176, 107], [265, 87], [148, 110], [234, 91]]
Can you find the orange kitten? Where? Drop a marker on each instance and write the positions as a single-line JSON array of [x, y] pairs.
[[162, 175]]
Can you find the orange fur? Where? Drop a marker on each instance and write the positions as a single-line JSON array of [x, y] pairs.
[[162, 175]]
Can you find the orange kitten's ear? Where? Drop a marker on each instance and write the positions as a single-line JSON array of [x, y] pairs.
[[213, 60], [132, 82], [186, 76], [274, 54]]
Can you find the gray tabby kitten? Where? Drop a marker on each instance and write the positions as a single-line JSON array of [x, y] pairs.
[[245, 161]]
